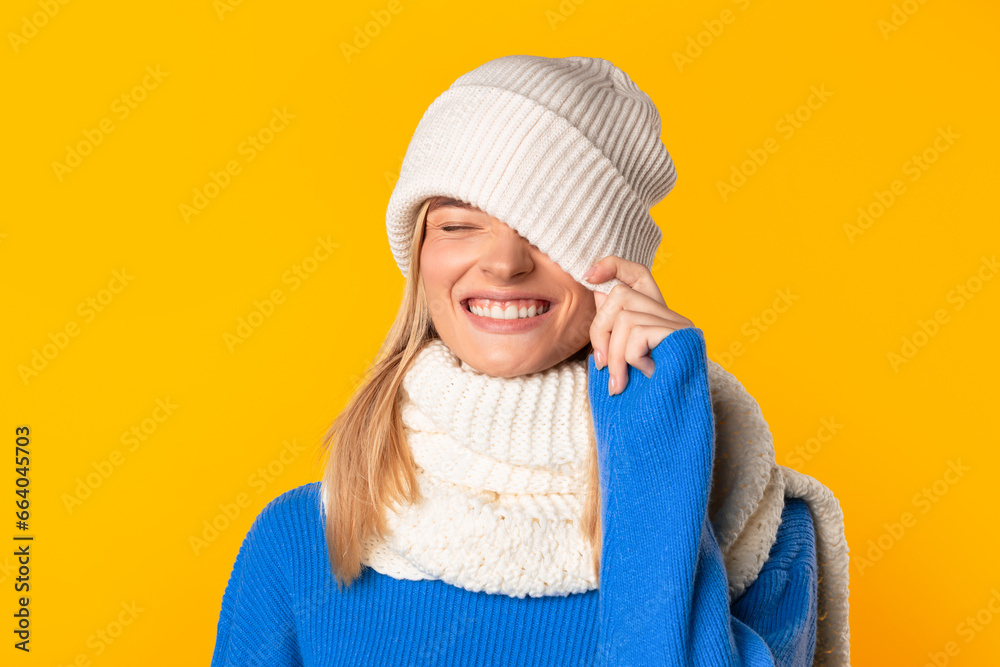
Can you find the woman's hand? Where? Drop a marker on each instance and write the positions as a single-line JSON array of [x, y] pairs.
[[631, 320]]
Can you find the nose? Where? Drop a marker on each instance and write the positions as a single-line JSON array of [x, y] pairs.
[[506, 254]]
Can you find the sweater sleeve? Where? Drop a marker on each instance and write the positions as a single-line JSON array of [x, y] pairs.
[[256, 624], [781, 604], [664, 594]]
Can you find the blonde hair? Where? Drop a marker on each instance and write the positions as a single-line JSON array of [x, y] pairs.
[[368, 463]]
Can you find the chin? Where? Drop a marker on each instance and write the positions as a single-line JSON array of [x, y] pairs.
[[504, 364]]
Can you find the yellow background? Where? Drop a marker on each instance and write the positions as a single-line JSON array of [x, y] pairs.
[[328, 173]]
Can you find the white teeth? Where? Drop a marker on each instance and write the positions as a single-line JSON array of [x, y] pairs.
[[511, 313]]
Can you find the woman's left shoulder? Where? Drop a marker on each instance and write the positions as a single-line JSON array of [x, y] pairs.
[[796, 538]]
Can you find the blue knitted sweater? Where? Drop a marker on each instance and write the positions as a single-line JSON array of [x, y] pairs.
[[663, 597]]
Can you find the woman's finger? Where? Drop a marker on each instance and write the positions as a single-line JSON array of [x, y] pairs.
[[624, 299], [618, 348], [633, 274]]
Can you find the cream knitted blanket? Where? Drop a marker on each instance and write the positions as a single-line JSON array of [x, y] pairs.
[[501, 465]]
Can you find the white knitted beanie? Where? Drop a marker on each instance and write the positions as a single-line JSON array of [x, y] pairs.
[[566, 151]]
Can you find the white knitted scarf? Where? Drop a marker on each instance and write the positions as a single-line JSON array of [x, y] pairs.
[[501, 463]]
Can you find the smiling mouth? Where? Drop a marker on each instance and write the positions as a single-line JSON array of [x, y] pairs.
[[514, 309]]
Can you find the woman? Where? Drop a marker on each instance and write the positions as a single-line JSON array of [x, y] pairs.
[[542, 467]]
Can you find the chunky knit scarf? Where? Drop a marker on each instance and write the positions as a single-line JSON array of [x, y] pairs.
[[501, 463]]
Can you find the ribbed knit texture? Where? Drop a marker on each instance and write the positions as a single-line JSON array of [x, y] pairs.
[[663, 597], [501, 464], [566, 151]]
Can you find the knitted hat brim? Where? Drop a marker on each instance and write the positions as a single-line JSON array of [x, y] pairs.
[[530, 168]]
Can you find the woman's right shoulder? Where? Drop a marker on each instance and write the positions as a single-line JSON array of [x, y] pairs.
[[292, 515], [301, 502]]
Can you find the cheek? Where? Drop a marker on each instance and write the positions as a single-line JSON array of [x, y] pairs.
[[439, 270], [430, 265]]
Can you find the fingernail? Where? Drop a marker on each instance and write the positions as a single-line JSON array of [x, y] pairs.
[[613, 385], [589, 272], [598, 359]]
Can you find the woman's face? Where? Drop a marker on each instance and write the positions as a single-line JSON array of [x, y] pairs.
[[470, 257]]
